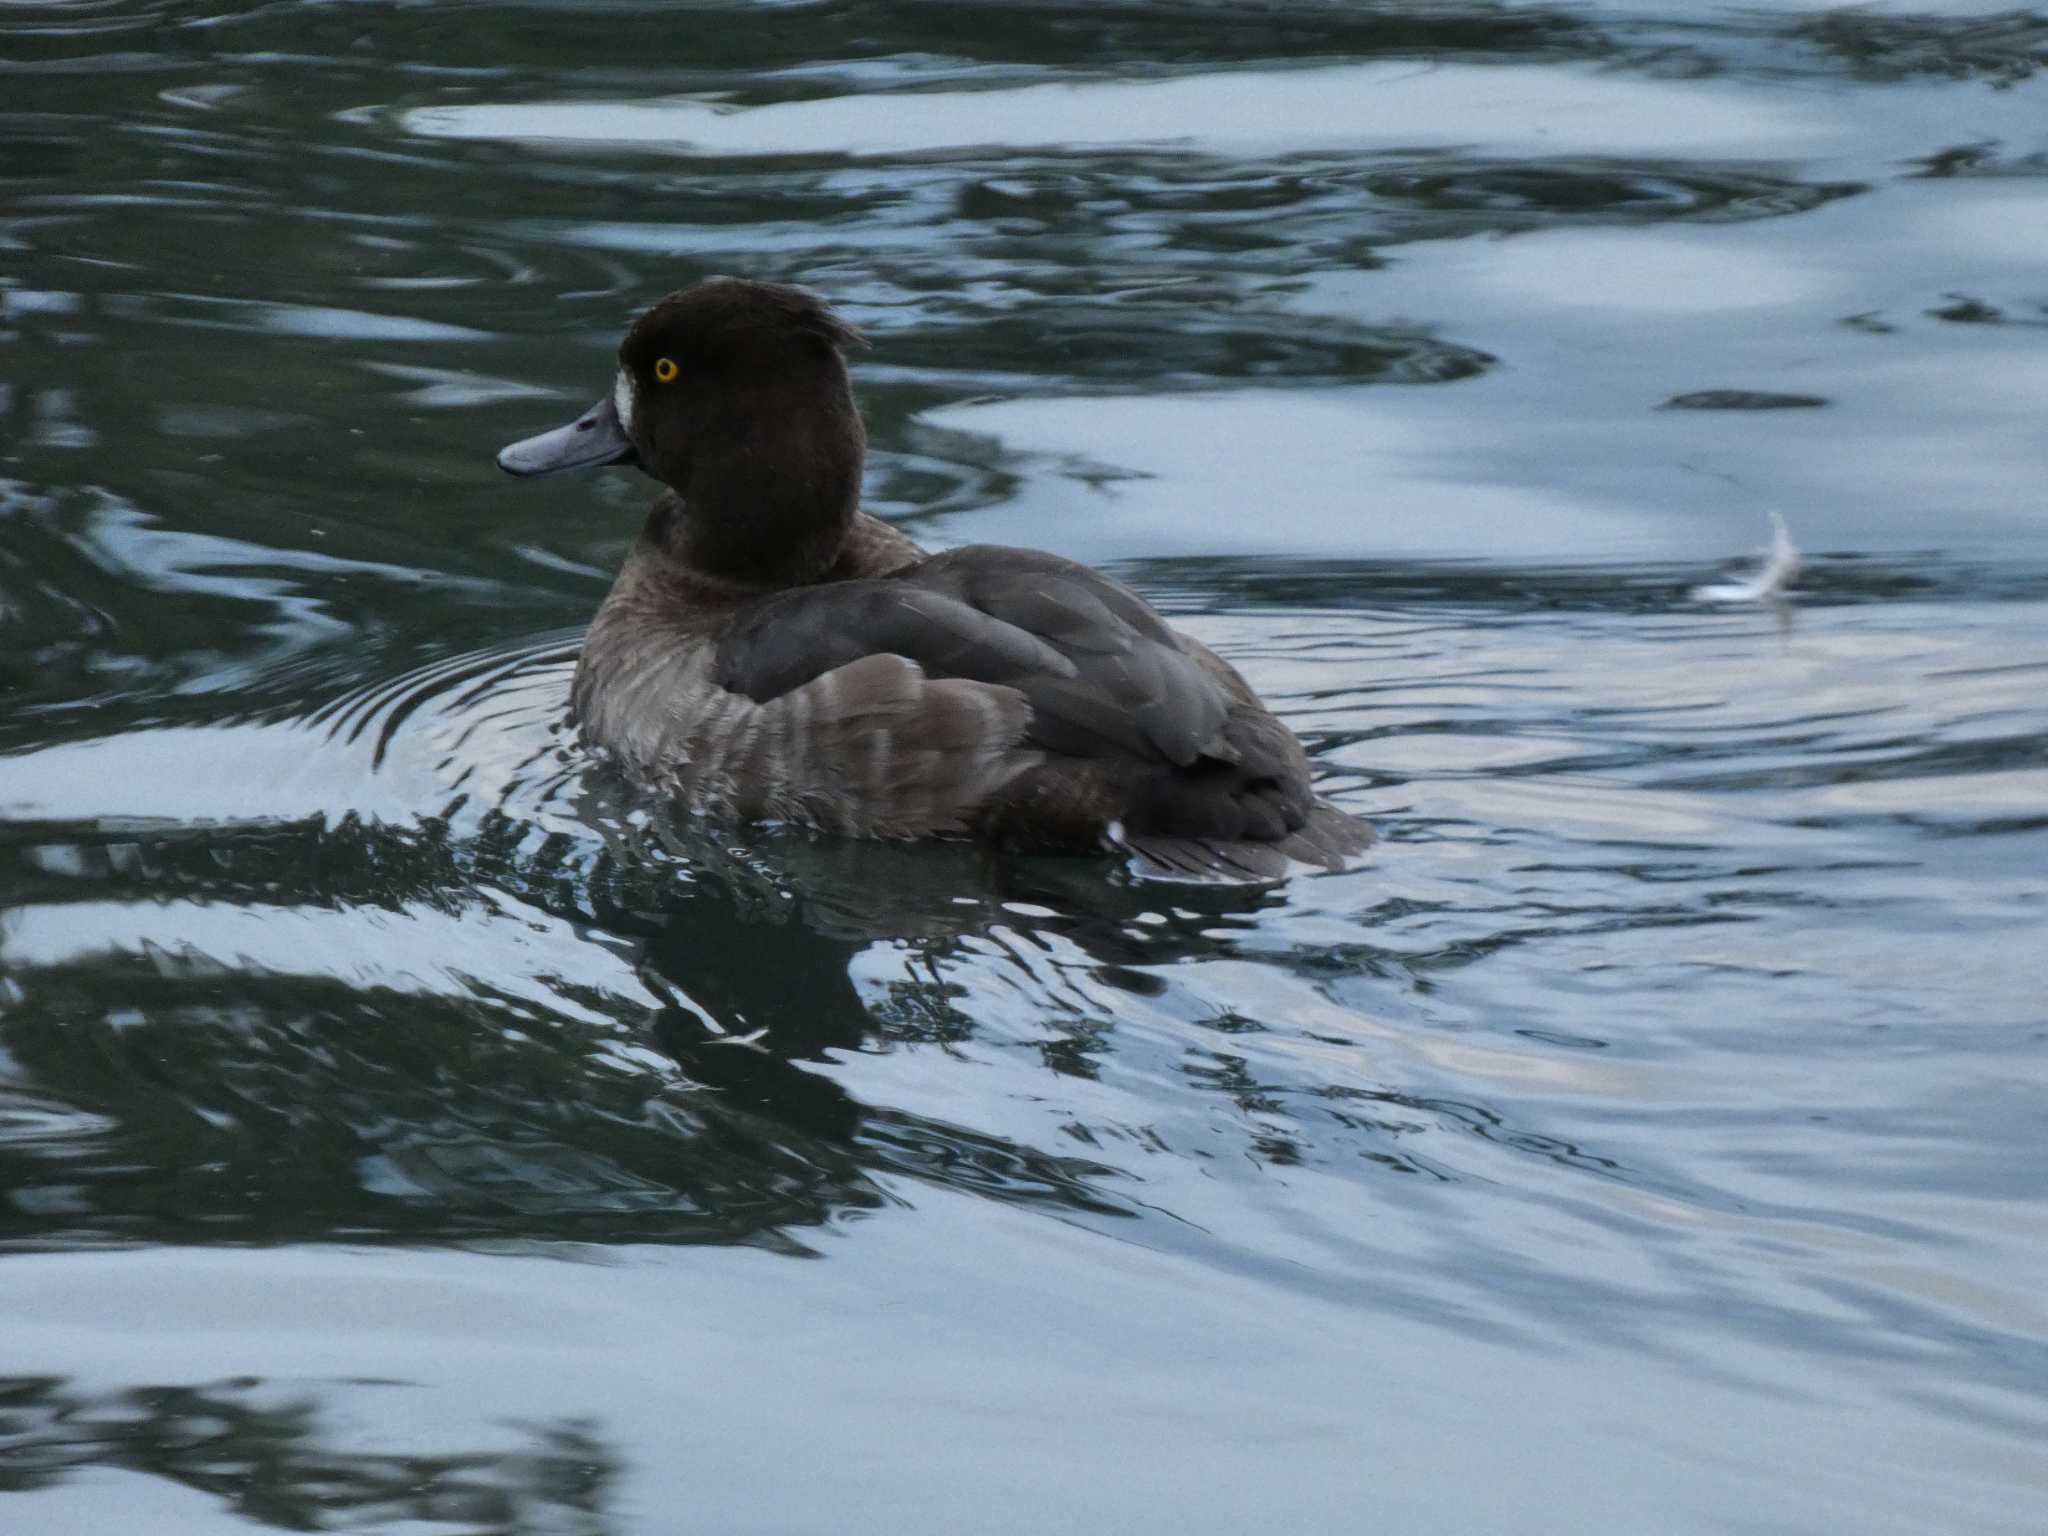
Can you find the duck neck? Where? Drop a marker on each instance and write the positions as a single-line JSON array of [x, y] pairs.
[[771, 497]]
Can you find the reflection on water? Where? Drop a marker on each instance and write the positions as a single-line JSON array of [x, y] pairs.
[[259, 1451], [1680, 1045]]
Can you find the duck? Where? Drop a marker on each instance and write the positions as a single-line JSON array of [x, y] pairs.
[[771, 652]]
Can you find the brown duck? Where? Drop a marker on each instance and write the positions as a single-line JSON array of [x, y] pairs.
[[771, 651]]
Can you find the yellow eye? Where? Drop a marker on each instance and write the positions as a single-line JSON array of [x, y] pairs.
[[665, 369]]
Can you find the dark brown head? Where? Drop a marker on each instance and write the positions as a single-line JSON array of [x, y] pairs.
[[734, 394]]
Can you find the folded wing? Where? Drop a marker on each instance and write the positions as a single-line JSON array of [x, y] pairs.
[[1102, 672], [1104, 708]]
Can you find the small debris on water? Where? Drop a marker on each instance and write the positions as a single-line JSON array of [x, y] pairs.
[[1769, 584]]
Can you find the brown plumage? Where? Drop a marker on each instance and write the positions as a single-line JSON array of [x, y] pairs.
[[770, 651]]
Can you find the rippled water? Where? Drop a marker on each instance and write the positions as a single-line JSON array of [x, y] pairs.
[[405, 1126]]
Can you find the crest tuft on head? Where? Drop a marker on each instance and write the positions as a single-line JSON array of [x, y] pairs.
[[726, 315]]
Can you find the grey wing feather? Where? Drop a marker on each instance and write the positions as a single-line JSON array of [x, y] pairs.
[[787, 640], [1138, 688], [1103, 673]]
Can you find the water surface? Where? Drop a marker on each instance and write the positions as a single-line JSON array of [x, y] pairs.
[[406, 1126]]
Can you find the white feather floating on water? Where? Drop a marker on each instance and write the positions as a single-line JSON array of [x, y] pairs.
[[1768, 585]]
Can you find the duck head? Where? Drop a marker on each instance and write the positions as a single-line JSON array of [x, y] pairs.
[[735, 395]]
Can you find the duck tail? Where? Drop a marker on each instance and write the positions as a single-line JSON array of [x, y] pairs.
[[1330, 839]]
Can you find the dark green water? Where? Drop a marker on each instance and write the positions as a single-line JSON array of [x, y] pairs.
[[405, 1128]]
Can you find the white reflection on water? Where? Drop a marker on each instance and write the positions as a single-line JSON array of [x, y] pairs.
[[312, 322], [1229, 471], [1390, 105], [498, 947], [1929, 440]]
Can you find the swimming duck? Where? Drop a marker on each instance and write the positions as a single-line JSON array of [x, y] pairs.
[[771, 651]]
